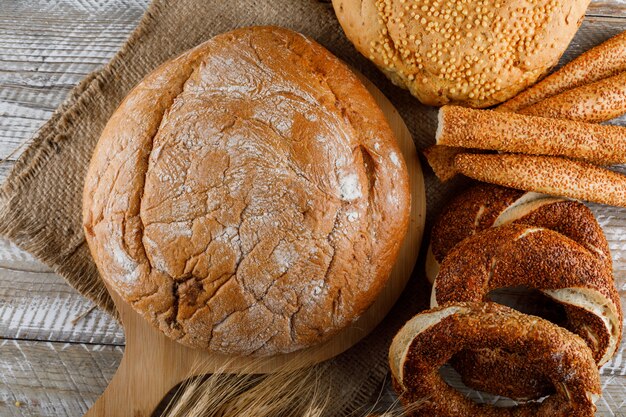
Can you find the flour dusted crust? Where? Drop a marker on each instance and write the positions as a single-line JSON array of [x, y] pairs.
[[248, 197], [476, 53]]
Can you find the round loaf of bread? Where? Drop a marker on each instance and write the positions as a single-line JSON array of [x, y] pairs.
[[248, 197], [475, 53]]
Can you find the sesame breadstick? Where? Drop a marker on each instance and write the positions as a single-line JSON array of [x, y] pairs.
[[594, 103], [605, 60], [548, 175], [509, 132]]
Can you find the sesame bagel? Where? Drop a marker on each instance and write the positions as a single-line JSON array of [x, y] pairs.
[[533, 257], [475, 53], [485, 205], [539, 258], [430, 339]]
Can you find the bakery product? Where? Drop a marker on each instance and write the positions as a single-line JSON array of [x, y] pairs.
[[602, 61], [441, 160], [461, 127], [485, 205], [538, 258], [460, 230], [595, 102], [467, 131], [248, 197], [430, 339], [475, 53], [546, 174]]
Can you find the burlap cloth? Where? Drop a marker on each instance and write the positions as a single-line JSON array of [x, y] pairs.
[[40, 203]]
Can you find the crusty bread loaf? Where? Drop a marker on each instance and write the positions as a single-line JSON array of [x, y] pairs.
[[475, 53], [248, 197]]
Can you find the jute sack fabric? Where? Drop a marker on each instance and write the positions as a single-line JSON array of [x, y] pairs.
[[40, 203]]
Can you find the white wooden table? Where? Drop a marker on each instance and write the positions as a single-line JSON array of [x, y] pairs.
[[52, 362], [57, 353]]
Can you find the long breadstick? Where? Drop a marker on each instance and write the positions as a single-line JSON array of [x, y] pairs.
[[605, 60], [548, 175], [510, 132], [594, 103]]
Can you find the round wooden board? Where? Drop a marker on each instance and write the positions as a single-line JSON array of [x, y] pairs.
[[152, 363]]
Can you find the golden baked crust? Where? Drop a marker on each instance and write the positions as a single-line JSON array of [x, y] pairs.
[[474, 210], [248, 197], [546, 174], [430, 339], [476, 53], [593, 103], [531, 256], [534, 135], [602, 61], [480, 207]]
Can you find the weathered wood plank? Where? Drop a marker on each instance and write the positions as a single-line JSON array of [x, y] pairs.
[[5, 169], [53, 379], [46, 48], [36, 304], [613, 8]]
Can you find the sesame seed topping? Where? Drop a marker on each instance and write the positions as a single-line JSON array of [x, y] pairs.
[[459, 40]]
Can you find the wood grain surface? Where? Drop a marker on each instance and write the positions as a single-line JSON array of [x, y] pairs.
[[50, 363]]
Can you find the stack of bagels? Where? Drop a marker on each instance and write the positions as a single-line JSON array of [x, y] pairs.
[[491, 238]]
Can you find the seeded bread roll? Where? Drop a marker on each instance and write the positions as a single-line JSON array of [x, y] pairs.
[[475, 53], [248, 197]]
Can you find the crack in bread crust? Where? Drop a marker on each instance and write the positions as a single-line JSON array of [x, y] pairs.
[[236, 214]]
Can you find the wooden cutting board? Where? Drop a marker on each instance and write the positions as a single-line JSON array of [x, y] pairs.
[[153, 364]]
